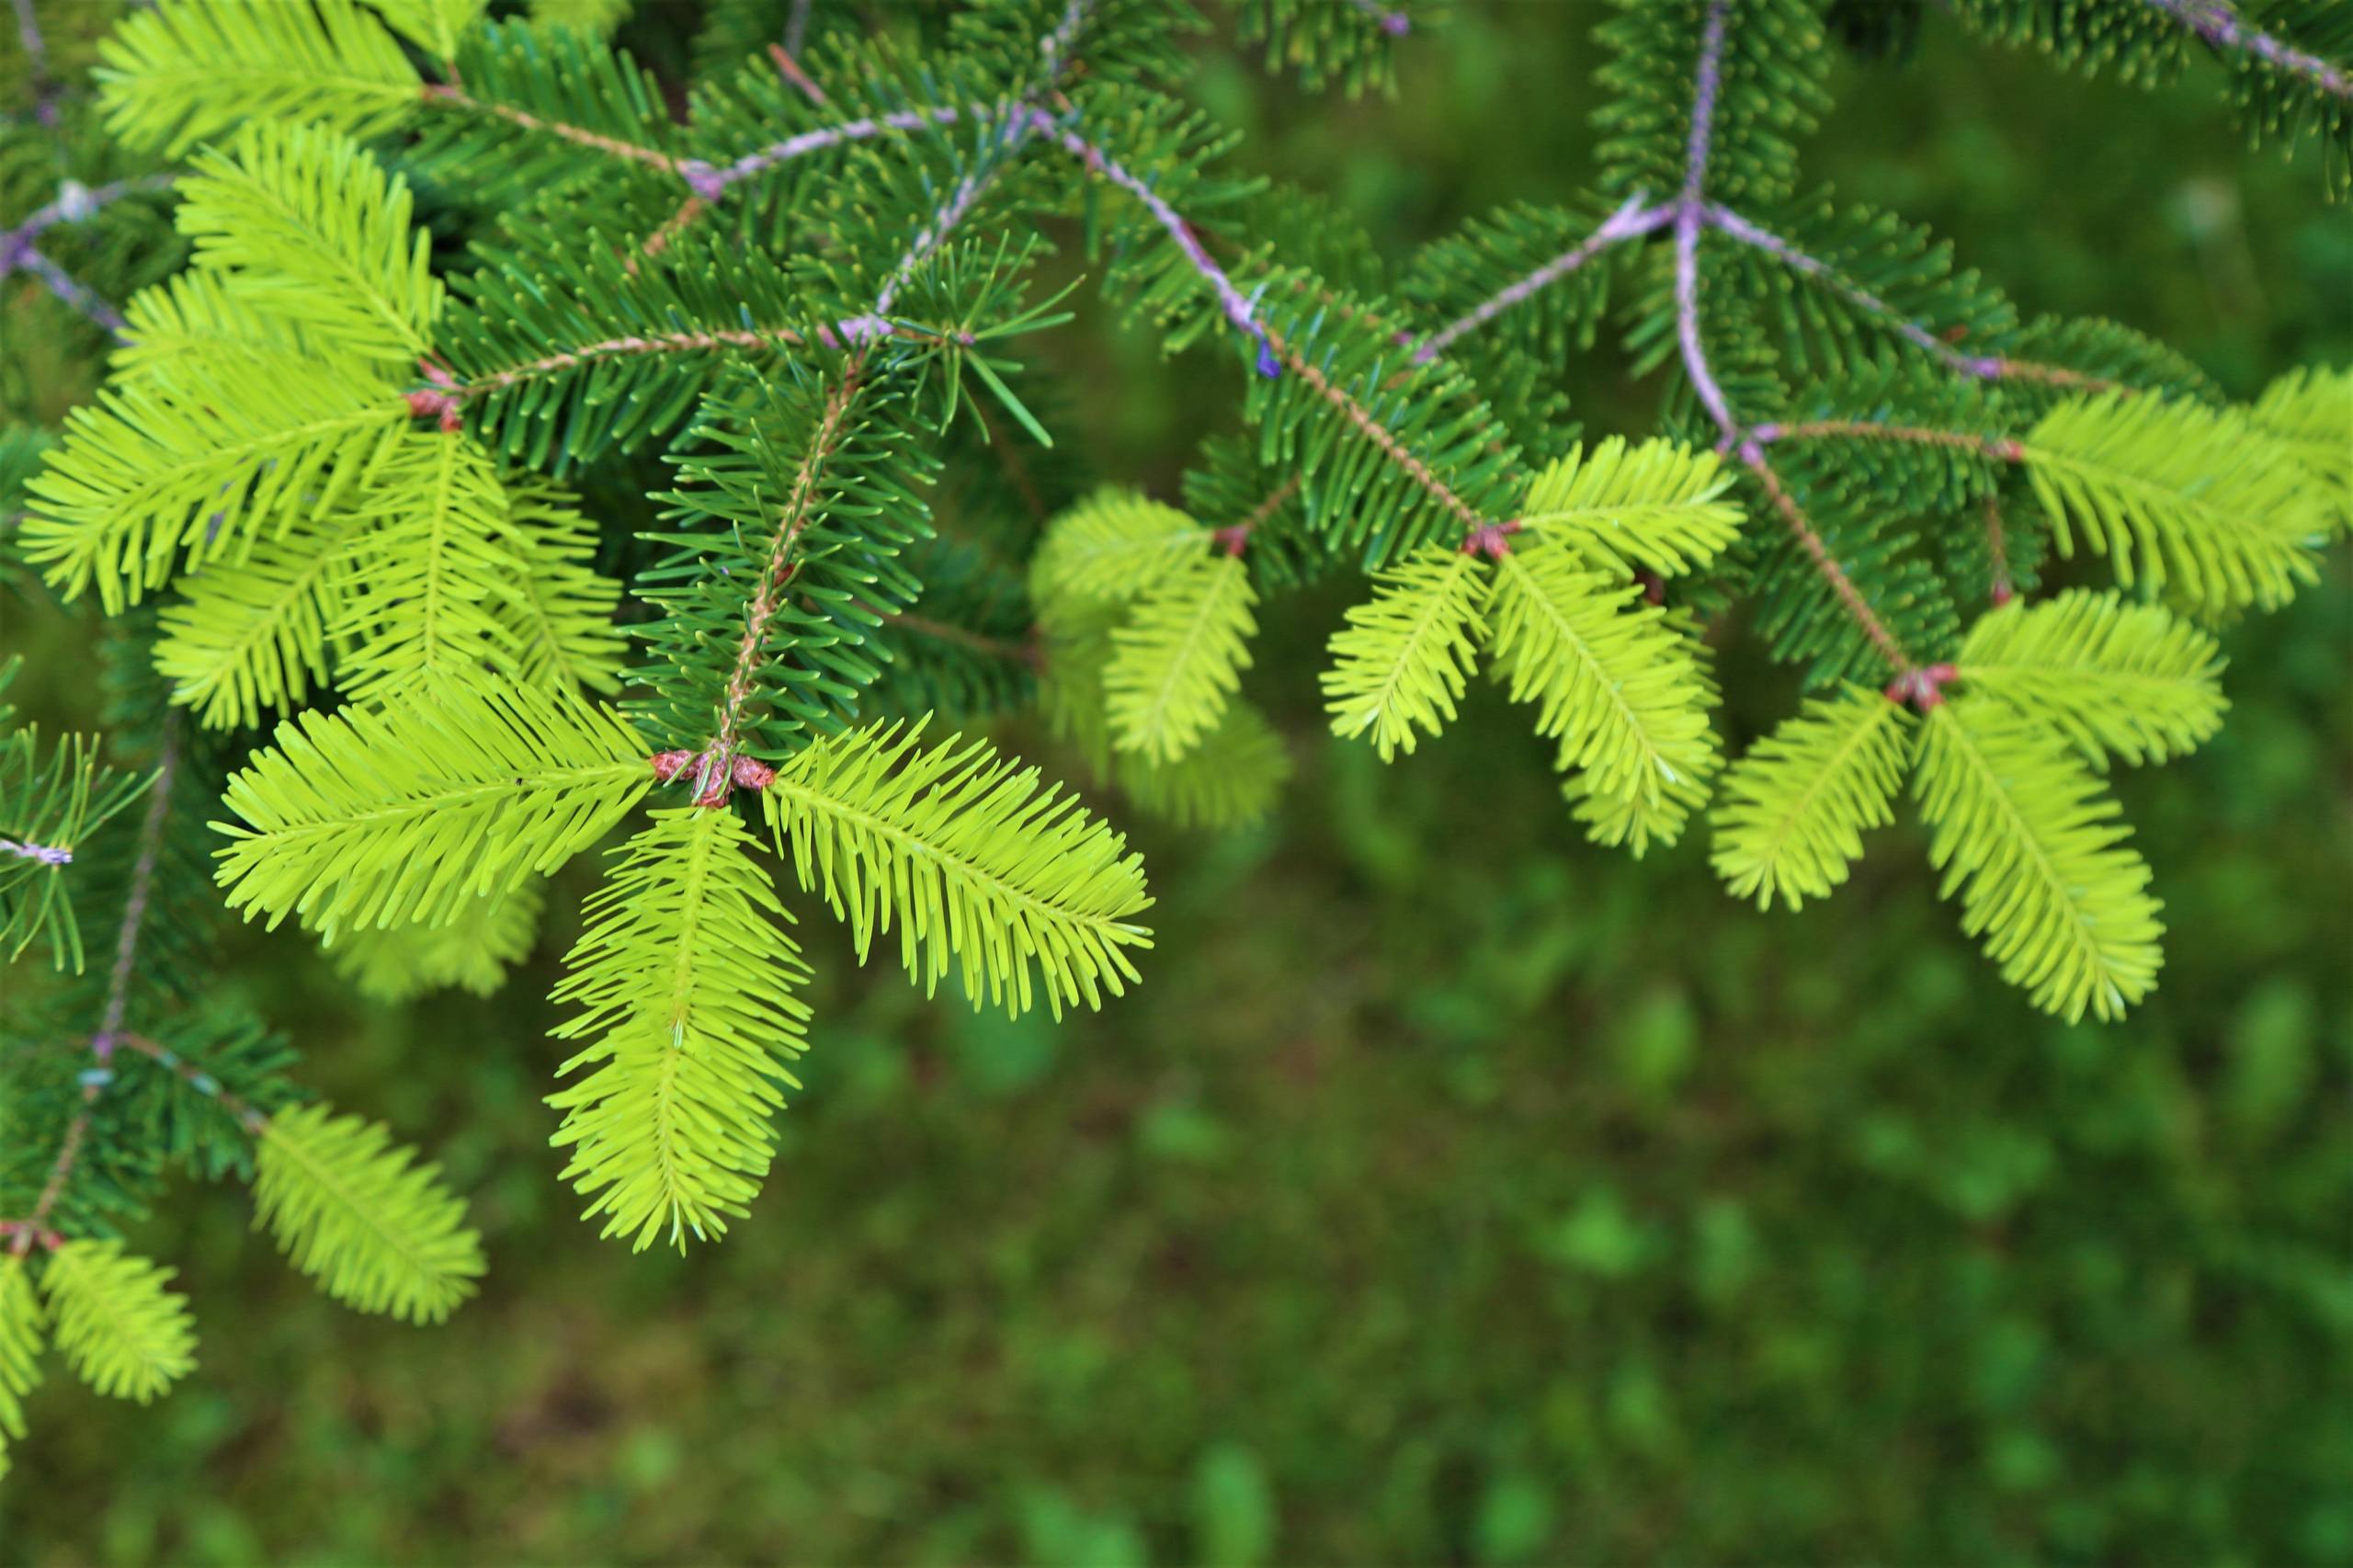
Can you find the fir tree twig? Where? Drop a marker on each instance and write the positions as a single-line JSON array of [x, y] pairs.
[[2219, 26]]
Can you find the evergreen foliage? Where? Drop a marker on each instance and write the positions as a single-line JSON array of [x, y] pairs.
[[688, 981], [353, 1211], [120, 1330], [387, 450]]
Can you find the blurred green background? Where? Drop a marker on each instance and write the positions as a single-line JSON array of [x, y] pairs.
[[1453, 1190]]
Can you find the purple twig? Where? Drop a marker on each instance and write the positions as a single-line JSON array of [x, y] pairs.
[[951, 212], [2221, 26], [75, 204], [1055, 49], [710, 182], [72, 293], [1237, 309], [1690, 212], [1708, 85], [1389, 18], [1629, 222], [47, 854], [1739, 228]]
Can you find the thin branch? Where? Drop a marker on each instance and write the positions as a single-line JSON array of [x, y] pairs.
[[1760, 238], [859, 331], [942, 631], [48, 855], [1230, 299], [1823, 561], [118, 999], [142, 887], [1377, 433], [1998, 447], [75, 204], [787, 66], [203, 1083], [1630, 222], [1263, 510], [2221, 26], [1690, 213], [1985, 366], [453, 96], [35, 1226], [78, 295], [720, 769], [711, 181]]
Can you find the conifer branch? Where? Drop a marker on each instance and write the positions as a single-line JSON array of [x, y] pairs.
[[1733, 226], [241, 1110], [783, 52], [1985, 367], [1237, 310], [852, 330], [1379, 435], [717, 766], [74, 295], [1878, 430], [1817, 551], [1632, 220], [453, 96], [711, 182], [118, 994], [142, 887], [1690, 214], [75, 203], [2219, 25]]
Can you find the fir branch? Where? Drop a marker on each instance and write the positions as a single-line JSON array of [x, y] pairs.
[[1689, 215], [1630, 222], [1759, 238], [1985, 366], [979, 866], [1237, 310], [1811, 541], [1379, 435], [449, 95], [2219, 26], [849, 331], [711, 182], [716, 767], [142, 887], [1999, 447], [74, 203], [117, 992], [69, 292]]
